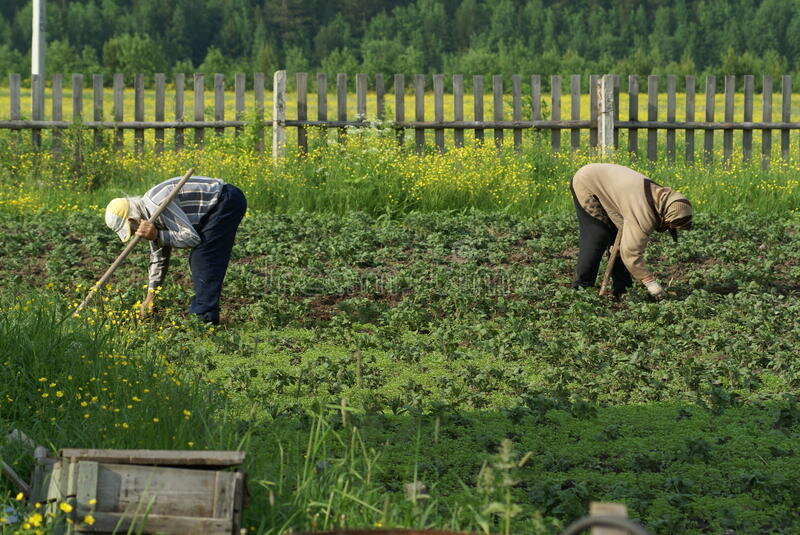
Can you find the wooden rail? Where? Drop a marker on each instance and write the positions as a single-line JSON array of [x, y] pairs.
[[516, 107]]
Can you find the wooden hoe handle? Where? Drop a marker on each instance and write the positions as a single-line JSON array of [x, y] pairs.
[[612, 258]]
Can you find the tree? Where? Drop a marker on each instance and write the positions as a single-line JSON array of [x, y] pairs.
[[335, 34], [133, 54]]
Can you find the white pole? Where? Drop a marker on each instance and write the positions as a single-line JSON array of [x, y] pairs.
[[38, 45], [605, 114]]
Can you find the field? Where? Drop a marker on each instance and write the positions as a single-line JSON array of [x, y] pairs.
[[400, 345]]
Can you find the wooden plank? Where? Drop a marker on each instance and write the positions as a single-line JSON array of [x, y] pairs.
[[219, 101], [167, 525], [180, 81], [633, 113], [689, 140], [671, 114], [258, 98], [555, 111], [766, 134], [594, 87], [652, 115], [438, 110], [516, 92], [786, 113], [322, 102], [708, 138], [213, 458], [497, 107], [380, 97], [608, 509], [239, 89], [727, 136], [605, 115], [341, 102], [14, 96], [575, 90], [37, 107], [138, 113], [88, 473], [747, 135], [161, 91], [458, 107], [419, 111], [119, 109], [224, 495], [615, 78], [278, 116], [302, 110], [536, 97], [199, 107], [58, 110], [97, 106], [477, 105], [361, 97], [400, 106]]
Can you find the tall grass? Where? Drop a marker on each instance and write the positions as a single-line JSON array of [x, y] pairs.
[[369, 172]]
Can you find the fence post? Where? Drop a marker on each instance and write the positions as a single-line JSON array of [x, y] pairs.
[[608, 509], [279, 116], [605, 115]]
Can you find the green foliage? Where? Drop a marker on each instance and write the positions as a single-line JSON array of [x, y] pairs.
[[653, 37]]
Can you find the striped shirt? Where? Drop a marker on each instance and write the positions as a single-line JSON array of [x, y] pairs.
[[176, 224]]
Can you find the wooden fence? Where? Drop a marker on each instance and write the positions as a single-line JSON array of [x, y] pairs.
[[543, 112]]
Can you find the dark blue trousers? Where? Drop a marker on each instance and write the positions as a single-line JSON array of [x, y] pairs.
[[209, 260]]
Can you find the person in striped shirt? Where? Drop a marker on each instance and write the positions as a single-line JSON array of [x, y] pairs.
[[204, 217]]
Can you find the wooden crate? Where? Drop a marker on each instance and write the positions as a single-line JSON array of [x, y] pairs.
[[144, 491]]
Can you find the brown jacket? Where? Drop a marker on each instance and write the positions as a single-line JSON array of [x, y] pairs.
[[622, 194]]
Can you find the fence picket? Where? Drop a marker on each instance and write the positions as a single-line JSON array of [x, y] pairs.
[[497, 108], [727, 135], [458, 108], [689, 135], [747, 135], [37, 107], [477, 91], [419, 110], [671, 105], [138, 113], [219, 102], [258, 97], [58, 111], [361, 97], [575, 89], [160, 82], [555, 111], [652, 115], [438, 109], [199, 107], [516, 88], [180, 82], [341, 103], [380, 91], [766, 134], [786, 111], [239, 87], [400, 105], [97, 106], [615, 77], [708, 138], [536, 97], [594, 88], [278, 116], [302, 110], [14, 82], [633, 113]]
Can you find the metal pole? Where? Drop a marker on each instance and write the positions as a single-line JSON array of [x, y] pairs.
[[38, 46]]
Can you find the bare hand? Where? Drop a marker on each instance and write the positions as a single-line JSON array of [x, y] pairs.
[[148, 305], [147, 231]]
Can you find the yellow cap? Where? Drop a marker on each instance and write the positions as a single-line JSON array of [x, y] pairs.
[[117, 218]]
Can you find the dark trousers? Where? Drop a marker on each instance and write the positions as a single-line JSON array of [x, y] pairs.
[[594, 239], [209, 260]]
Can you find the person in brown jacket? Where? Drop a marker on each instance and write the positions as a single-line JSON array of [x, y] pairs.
[[610, 198]]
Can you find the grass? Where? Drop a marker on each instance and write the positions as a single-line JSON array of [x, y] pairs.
[[400, 347]]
